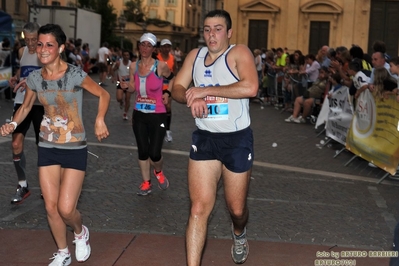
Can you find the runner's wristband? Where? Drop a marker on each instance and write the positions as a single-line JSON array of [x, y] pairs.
[[14, 124], [167, 92]]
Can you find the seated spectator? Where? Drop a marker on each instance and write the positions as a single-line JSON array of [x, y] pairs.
[[306, 101]]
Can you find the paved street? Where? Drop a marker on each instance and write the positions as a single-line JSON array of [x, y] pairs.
[[299, 193]]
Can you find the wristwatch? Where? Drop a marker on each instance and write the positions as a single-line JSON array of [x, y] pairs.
[[14, 124]]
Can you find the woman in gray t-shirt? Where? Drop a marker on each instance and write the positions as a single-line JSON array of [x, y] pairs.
[[62, 151]]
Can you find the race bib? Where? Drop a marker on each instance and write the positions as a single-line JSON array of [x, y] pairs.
[[146, 105], [218, 108]]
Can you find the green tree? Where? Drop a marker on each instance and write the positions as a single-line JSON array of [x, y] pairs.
[[108, 20], [135, 12], [108, 17]]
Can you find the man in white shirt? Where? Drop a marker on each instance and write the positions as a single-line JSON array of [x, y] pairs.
[[103, 58]]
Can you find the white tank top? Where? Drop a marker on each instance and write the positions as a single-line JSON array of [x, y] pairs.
[[28, 63], [224, 114], [123, 70]]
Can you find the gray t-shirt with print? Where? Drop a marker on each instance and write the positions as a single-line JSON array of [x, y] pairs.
[[62, 123]]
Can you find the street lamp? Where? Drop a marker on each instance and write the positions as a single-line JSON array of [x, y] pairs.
[[122, 25]]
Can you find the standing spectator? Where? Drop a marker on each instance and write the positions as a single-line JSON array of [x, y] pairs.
[[72, 57], [378, 60], [78, 61], [62, 161], [263, 55], [5, 51], [166, 56], [323, 56], [85, 50], [384, 84], [279, 69], [268, 70], [312, 69], [28, 62], [68, 48], [15, 57], [296, 66], [379, 46], [360, 80], [341, 65], [149, 115], [103, 57], [86, 60], [222, 146], [357, 52], [258, 64]]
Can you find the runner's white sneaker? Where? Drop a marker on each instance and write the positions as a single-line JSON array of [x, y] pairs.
[[82, 249], [60, 259], [168, 137]]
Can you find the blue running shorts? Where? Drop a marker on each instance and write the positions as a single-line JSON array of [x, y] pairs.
[[234, 149]]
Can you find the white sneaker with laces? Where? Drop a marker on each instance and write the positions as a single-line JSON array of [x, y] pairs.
[[289, 119], [60, 259], [168, 137], [299, 120], [82, 249]]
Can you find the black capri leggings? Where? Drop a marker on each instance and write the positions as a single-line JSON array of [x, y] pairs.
[[149, 130]]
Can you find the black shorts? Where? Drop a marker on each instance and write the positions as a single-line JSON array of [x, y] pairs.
[[35, 117], [73, 159], [118, 87], [102, 67], [234, 150]]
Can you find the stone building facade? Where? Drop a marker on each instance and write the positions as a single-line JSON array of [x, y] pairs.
[[308, 24]]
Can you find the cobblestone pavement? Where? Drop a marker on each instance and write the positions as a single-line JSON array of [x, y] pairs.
[[299, 193]]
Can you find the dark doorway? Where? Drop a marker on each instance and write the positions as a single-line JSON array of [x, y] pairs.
[[319, 35], [258, 31], [384, 25]]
